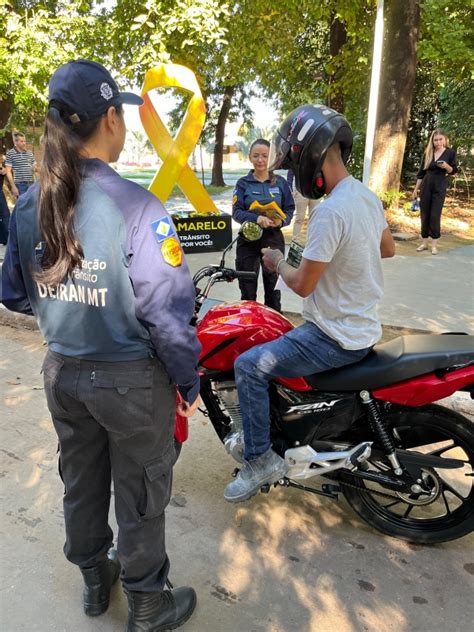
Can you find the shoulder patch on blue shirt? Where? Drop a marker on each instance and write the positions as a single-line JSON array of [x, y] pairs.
[[162, 228]]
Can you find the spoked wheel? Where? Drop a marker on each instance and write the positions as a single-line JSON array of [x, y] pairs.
[[443, 513]]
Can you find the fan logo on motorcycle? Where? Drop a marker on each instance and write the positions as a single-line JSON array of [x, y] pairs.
[[305, 408]]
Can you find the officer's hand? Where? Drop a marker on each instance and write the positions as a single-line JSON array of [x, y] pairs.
[[271, 258], [186, 409], [264, 222]]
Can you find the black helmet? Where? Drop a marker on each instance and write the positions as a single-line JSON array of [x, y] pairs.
[[301, 144]]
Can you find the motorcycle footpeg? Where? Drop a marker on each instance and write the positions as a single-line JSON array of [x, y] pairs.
[[305, 462], [360, 454]]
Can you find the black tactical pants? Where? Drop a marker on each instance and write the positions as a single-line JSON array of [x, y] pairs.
[[114, 420], [249, 258]]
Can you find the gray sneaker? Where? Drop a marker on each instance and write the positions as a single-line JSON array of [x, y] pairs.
[[266, 468]]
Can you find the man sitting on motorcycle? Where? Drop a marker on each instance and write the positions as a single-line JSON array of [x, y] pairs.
[[339, 277]]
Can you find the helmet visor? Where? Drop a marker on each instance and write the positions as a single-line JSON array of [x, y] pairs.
[[279, 150]]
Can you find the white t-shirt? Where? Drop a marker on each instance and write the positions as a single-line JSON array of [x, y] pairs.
[[345, 231]]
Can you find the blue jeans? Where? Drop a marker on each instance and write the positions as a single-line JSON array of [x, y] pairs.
[[22, 187], [302, 351]]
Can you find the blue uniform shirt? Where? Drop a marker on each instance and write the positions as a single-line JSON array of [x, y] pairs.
[[248, 189], [127, 301]]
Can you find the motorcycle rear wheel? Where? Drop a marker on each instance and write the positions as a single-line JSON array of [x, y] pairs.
[[450, 515]]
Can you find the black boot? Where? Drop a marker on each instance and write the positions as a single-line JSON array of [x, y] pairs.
[[157, 611], [98, 581]]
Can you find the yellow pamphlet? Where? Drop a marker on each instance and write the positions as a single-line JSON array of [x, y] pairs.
[[270, 210]]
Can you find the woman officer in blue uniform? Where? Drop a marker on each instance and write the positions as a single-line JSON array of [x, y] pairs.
[[261, 186], [95, 258]]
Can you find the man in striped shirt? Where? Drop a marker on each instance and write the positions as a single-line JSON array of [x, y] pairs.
[[20, 166]]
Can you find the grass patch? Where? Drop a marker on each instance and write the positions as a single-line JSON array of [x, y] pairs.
[[217, 190]]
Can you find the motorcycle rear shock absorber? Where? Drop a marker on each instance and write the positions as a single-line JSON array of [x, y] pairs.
[[380, 431]]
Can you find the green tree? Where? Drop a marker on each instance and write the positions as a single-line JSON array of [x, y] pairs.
[[191, 33], [35, 38], [444, 91], [395, 94]]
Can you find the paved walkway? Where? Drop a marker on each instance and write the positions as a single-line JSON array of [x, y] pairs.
[[283, 562], [434, 293], [421, 292]]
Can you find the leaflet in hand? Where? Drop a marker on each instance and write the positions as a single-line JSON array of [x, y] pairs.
[[270, 210]]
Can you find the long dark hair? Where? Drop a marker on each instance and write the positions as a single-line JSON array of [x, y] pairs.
[[60, 179], [263, 141]]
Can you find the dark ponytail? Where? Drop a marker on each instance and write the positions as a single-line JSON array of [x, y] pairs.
[[60, 180]]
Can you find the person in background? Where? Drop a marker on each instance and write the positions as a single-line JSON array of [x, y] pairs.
[[439, 161], [96, 259], [302, 206], [260, 186], [340, 282], [20, 165], [4, 210]]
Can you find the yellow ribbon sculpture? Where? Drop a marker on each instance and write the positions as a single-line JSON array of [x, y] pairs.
[[175, 152]]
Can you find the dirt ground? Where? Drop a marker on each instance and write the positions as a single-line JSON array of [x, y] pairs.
[[286, 561]]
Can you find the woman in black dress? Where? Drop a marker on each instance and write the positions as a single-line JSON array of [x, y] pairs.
[[439, 161]]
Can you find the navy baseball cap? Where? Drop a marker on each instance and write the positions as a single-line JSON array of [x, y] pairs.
[[87, 90]]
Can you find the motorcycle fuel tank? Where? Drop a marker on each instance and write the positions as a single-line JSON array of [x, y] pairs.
[[228, 330]]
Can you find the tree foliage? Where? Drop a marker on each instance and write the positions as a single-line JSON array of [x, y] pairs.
[[397, 81], [36, 38], [444, 93], [292, 52], [446, 39], [149, 31]]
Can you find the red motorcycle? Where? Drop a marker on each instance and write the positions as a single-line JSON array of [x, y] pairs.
[[370, 430]]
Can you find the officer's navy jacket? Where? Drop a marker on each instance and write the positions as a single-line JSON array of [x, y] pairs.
[[125, 302], [248, 189]]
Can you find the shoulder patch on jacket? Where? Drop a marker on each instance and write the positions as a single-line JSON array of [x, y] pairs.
[[171, 251], [163, 228]]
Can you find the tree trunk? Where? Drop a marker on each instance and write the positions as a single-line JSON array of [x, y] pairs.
[[337, 39], [397, 81], [6, 106], [217, 179]]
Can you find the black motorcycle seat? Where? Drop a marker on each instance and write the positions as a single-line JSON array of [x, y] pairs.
[[397, 360]]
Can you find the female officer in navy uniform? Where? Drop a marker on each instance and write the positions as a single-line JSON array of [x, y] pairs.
[[439, 161], [95, 258], [264, 187]]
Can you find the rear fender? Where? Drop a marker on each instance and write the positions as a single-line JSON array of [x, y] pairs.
[[427, 388]]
